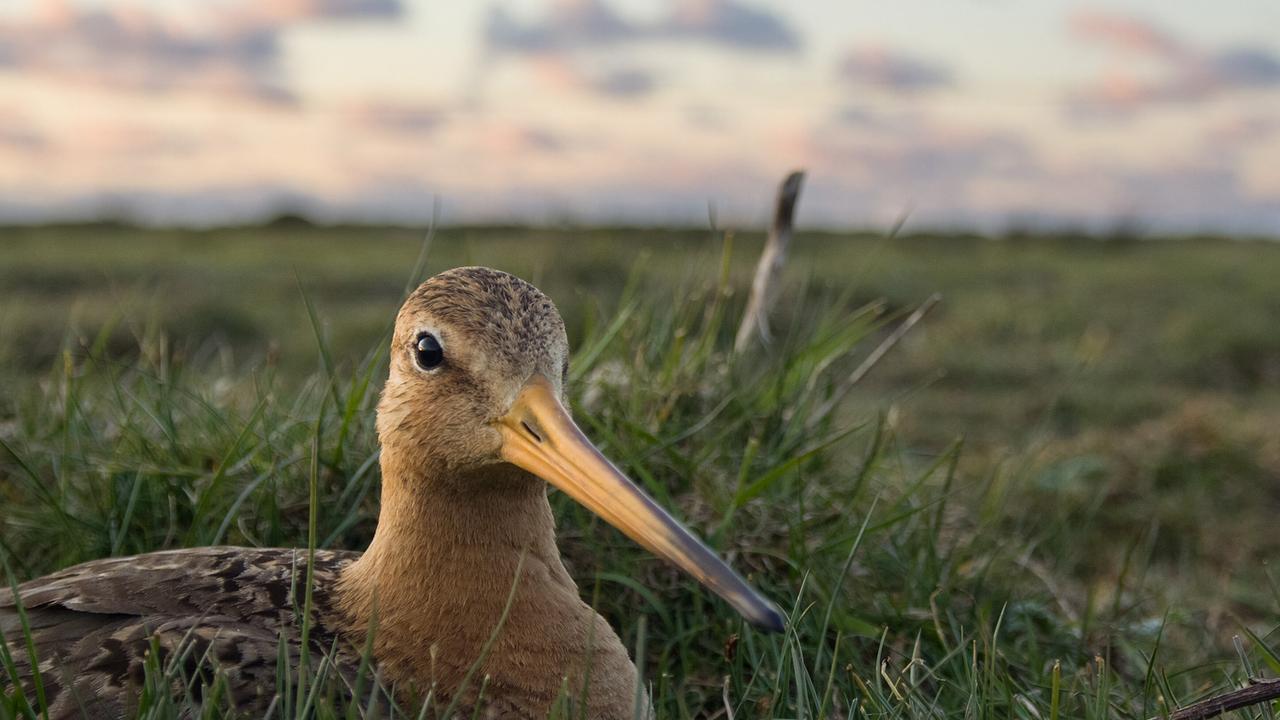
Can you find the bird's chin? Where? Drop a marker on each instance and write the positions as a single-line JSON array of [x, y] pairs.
[[500, 475]]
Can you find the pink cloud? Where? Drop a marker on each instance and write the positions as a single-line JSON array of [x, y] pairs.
[[22, 138], [127, 47], [567, 74], [512, 139], [893, 70], [1125, 32], [896, 157], [17, 132], [1242, 132], [134, 140], [276, 15], [234, 51], [1185, 73], [397, 116]]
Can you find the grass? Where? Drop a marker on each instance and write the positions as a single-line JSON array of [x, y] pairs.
[[1108, 562]]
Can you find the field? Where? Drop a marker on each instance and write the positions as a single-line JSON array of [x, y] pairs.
[[1055, 498]]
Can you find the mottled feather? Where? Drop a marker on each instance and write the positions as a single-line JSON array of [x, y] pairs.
[[94, 625]]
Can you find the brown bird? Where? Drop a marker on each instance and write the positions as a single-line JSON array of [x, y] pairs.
[[471, 423]]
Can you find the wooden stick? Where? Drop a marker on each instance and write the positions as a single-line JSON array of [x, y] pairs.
[[755, 321], [1258, 692]]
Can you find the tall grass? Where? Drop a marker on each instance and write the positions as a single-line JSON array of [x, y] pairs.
[[913, 589]]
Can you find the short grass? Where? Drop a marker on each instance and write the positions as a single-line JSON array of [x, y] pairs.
[[1097, 549]]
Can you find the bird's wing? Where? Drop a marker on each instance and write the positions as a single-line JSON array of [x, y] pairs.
[[194, 615]]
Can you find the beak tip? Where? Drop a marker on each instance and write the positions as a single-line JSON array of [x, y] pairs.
[[769, 619]]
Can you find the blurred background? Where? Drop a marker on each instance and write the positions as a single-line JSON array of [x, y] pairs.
[[225, 200], [1093, 188], [978, 114]]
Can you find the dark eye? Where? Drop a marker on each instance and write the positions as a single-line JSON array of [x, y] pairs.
[[427, 351]]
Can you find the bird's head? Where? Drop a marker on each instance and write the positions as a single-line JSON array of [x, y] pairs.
[[479, 361]]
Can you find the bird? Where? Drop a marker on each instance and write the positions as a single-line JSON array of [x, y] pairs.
[[461, 598]]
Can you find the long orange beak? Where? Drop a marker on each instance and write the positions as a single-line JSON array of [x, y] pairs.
[[539, 436]]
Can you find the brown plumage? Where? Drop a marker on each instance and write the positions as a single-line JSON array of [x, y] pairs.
[[469, 434]]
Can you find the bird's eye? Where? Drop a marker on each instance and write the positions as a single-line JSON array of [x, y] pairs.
[[427, 351]]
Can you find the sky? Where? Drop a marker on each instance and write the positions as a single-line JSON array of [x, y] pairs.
[[985, 114]]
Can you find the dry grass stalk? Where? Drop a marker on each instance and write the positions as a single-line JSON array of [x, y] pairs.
[[1258, 692]]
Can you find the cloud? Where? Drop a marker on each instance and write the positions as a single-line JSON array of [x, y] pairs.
[[568, 42], [732, 24], [893, 71], [135, 50], [304, 9], [1242, 132], [18, 132], [1184, 73], [575, 25], [397, 117], [570, 25], [870, 165], [1118, 93], [865, 119], [625, 83], [708, 117], [1125, 32], [572, 74], [1246, 67], [134, 141], [275, 16], [541, 140], [511, 139], [234, 52], [906, 156], [1196, 195], [22, 138], [946, 159]]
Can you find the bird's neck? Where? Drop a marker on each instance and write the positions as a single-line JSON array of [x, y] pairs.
[[439, 580], [444, 542], [429, 524]]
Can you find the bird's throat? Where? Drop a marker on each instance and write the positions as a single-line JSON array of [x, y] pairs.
[[465, 563]]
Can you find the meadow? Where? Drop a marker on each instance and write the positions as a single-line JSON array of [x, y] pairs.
[[1056, 497]]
